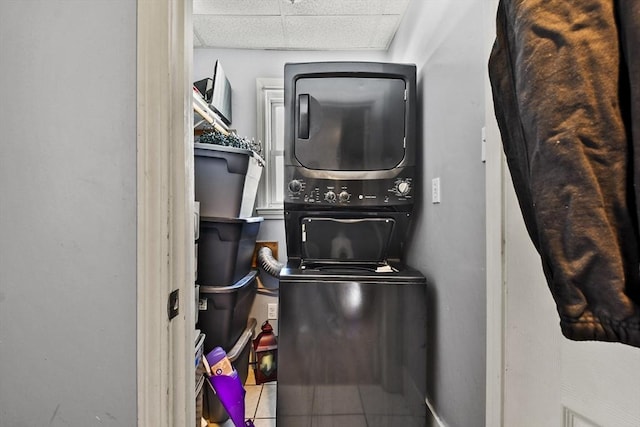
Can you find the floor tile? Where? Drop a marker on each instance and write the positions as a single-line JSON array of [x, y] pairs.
[[264, 422], [251, 378], [251, 400], [267, 404]]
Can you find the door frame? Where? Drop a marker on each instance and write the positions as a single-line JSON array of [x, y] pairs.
[[495, 171], [495, 276], [165, 218], [166, 228]]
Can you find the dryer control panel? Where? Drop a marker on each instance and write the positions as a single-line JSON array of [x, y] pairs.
[[379, 192]]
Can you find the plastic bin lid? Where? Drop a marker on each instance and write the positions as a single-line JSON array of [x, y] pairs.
[[216, 147], [243, 341], [249, 220], [246, 280]]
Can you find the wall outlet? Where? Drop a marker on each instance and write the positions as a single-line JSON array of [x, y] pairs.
[[271, 245], [272, 311]]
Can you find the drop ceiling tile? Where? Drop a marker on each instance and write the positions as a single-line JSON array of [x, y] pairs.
[[310, 24], [330, 32], [236, 7], [395, 7], [241, 32], [385, 31], [333, 7], [196, 39]]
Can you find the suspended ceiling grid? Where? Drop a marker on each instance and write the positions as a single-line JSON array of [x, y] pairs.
[[297, 25]]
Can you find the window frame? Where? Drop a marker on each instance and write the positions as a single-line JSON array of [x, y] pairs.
[[269, 94]]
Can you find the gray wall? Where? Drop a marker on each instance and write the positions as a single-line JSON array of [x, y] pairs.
[[446, 41], [68, 213]]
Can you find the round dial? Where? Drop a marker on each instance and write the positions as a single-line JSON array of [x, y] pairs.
[[295, 186], [344, 196], [403, 188], [330, 196]]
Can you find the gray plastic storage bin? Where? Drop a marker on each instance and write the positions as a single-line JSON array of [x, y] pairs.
[[199, 352], [224, 311], [213, 411], [199, 401], [199, 366], [225, 249], [226, 180]]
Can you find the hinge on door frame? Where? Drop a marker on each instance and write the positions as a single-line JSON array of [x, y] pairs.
[[173, 304]]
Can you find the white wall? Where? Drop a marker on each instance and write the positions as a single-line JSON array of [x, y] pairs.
[[68, 213], [446, 39]]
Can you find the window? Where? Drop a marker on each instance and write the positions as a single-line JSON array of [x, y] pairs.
[[270, 129]]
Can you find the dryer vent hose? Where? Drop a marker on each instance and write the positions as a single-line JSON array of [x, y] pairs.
[[268, 262]]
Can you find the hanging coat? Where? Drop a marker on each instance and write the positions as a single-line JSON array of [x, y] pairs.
[[565, 77]]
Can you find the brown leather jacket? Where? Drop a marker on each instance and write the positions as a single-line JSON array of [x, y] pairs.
[[566, 86]]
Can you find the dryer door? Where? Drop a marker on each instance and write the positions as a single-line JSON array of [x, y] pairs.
[[343, 239], [354, 123]]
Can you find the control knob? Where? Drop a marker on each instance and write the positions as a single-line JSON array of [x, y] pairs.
[[344, 196], [330, 196], [403, 188], [295, 186]]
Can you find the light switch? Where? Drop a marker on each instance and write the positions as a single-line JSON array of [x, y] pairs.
[[435, 190]]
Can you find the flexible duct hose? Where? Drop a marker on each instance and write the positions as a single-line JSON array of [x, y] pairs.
[[268, 263]]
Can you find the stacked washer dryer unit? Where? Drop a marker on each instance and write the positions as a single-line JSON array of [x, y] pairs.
[[352, 325]]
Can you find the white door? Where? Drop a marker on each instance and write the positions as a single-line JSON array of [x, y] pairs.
[[549, 380], [535, 376]]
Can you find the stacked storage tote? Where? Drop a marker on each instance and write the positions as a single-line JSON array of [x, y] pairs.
[[226, 181]]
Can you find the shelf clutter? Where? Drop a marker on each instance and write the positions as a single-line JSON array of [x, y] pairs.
[[206, 114], [227, 171]]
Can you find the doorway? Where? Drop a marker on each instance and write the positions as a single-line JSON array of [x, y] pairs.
[[166, 379]]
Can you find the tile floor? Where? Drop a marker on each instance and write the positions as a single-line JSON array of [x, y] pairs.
[[260, 403], [260, 406]]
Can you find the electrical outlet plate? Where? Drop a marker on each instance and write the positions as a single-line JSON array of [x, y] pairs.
[[272, 311]]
